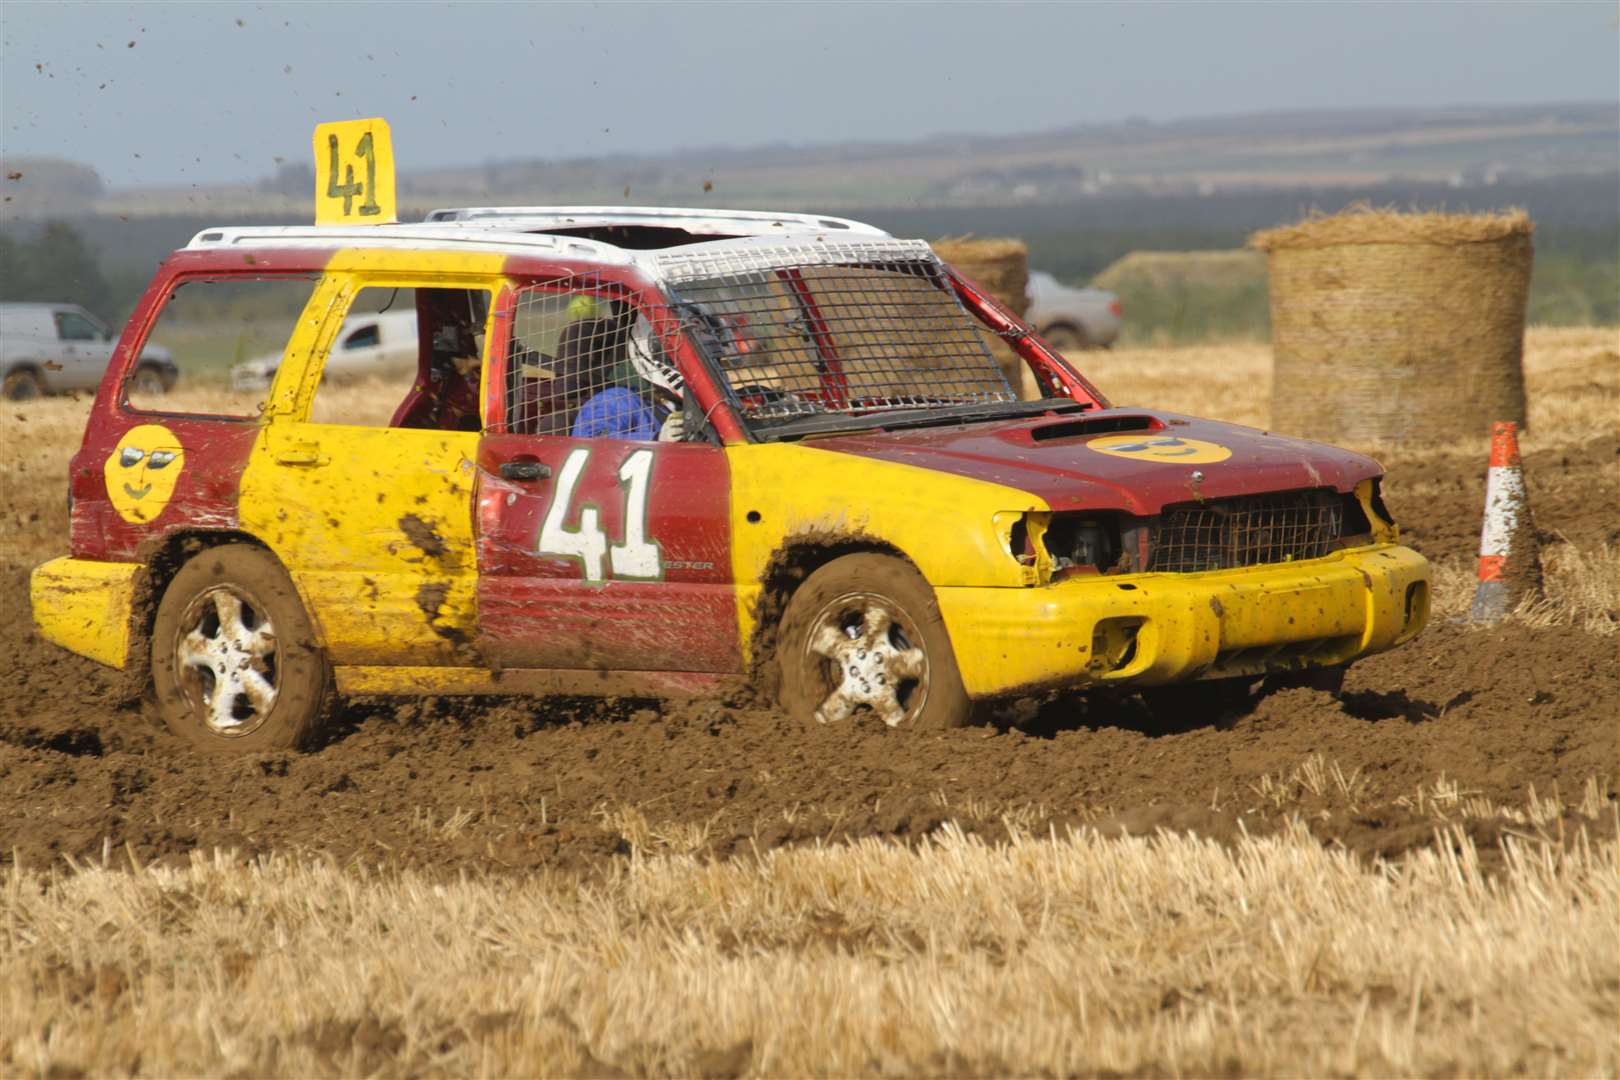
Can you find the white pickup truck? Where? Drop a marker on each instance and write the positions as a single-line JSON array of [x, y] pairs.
[[1072, 318], [368, 344], [54, 348]]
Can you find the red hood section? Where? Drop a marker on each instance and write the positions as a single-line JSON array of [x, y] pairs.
[[1051, 457]]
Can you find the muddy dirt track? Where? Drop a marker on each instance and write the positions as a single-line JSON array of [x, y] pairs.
[[516, 785]]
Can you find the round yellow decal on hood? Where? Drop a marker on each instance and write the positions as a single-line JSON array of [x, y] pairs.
[[142, 471], [1166, 448]]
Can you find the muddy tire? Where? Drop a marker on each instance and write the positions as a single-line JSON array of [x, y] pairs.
[[234, 660], [863, 634], [21, 385]]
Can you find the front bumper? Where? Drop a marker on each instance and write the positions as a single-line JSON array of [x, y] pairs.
[[86, 606], [1151, 629]]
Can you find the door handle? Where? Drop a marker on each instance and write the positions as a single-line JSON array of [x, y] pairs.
[[525, 470], [306, 454]]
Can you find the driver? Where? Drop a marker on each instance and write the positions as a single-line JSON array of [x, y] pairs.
[[643, 403]]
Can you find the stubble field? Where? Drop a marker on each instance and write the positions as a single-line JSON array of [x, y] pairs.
[[1419, 876]]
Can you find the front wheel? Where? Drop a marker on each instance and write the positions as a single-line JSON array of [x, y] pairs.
[[234, 660], [864, 634], [21, 385]]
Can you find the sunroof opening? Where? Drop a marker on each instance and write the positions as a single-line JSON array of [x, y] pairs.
[[636, 237]]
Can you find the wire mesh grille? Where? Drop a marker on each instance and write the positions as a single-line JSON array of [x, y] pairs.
[[798, 330], [586, 366], [1249, 531]]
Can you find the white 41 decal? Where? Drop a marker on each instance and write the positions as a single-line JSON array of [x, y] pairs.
[[637, 558]]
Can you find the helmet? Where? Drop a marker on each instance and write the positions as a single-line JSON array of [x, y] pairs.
[[647, 357], [583, 306]]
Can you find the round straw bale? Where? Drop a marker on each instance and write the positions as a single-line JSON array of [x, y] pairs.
[[1001, 268], [1398, 327]]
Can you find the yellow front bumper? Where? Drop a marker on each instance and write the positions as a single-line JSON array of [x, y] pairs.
[[1150, 629], [85, 606]]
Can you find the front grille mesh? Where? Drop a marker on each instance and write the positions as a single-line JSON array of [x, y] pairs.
[[1249, 531]]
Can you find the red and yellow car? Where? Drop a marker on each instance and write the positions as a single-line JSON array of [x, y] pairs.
[[648, 452]]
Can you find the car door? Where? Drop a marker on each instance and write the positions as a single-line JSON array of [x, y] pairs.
[[365, 491], [595, 551]]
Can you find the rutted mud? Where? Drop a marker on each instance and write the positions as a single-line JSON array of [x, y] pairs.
[[512, 785]]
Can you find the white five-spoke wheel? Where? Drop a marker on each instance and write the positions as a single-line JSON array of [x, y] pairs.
[[872, 661], [227, 660], [863, 634], [233, 657]]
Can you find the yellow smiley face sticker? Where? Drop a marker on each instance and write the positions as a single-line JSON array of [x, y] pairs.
[[142, 471], [1166, 448]]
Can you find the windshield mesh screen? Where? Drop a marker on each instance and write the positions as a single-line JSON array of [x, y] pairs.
[[834, 328]]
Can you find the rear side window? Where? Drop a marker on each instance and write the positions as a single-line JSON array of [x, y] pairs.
[[216, 345]]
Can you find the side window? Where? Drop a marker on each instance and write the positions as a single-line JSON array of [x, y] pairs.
[[587, 366], [363, 338], [216, 345], [406, 357], [71, 326]]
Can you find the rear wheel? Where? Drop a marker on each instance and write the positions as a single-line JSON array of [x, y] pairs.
[[1065, 337], [21, 385], [864, 634], [148, 381], [234, 661]]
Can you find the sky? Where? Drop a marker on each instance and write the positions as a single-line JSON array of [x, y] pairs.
[[208, 93]]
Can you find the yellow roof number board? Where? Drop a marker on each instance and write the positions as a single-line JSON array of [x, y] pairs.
[[354, 173]]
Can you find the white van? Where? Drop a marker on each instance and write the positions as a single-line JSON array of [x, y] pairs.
[[54, 348]]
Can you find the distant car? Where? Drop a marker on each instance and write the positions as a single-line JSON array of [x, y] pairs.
[[366, 345], [54, 348], [1072, 318]]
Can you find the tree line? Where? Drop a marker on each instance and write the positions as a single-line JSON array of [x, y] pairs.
[[57, 266]]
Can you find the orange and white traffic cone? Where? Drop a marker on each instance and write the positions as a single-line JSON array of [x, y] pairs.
[[1509, 564]]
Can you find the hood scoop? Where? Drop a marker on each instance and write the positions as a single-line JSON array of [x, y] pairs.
[[1086, 426]]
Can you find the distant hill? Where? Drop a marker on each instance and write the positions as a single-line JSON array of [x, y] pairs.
[[1081, 197], [1464, 147]]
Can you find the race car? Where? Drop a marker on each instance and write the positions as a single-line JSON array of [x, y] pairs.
[[653, 452], [848, 501]]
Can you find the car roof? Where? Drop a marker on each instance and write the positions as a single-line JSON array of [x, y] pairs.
[[514, 231], [698, 221], [415, 237]]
